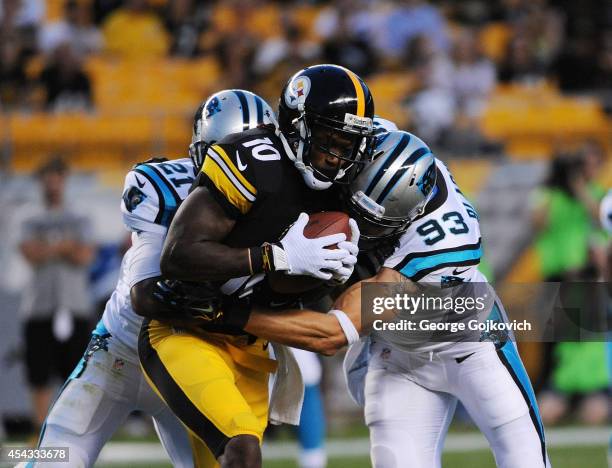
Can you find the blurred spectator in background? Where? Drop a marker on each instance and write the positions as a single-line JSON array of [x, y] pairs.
[[75, 28], [235, 47], [406, 20], [472, 77], [537, 36], [520, 65], [278, 57], [103, 8], [580, 382], [342, 44], [65, 83], [432, 105], [472, 81], [186, 20], [564, 215], [135, 32], [104, 271], [14, 84], [55, 307], [566, 220], [593, 157], [22, 19], [585, 65]]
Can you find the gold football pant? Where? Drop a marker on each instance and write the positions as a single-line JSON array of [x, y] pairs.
[[217, 385]]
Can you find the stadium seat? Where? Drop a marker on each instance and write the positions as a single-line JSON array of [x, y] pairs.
[[532, 121], [493, 39], [389, 91], [165, 86], [90, 142], [304, 17]]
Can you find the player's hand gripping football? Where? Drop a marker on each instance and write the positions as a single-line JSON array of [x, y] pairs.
[[342, 275], [300, 255]]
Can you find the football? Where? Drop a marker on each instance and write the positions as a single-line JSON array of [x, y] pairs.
[[319, 225]]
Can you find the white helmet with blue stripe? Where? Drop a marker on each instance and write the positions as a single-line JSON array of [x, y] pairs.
[[605, 212], [394, 188], [226, 112]]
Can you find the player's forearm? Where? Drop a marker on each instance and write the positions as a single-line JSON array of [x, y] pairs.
[[145, 304], [203, 261], [305, 329], [349, 302]]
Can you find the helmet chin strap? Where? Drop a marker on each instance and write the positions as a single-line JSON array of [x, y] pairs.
[[298, 161]]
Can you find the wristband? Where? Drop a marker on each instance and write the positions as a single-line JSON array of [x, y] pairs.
[[256, 262], [274, 258], [351, 333]]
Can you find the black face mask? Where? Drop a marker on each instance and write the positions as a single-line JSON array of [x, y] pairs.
[[343, 146]]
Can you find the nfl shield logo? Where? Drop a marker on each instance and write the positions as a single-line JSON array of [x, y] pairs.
[[118, 364]]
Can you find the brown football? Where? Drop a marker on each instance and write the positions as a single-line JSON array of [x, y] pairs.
[[319, 225]]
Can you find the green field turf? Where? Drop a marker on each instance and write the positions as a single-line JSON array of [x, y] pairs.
[[566, 457]]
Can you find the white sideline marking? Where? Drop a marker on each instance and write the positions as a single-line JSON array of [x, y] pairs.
[[148, 452]]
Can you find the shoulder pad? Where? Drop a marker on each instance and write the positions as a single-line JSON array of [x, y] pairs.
[[240, 167], [151, 195], [155, 159]]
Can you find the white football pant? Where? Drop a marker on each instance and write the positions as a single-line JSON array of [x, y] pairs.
[[410, 399], [95, 401]]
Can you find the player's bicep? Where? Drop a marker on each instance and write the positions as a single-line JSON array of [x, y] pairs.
[[199, 218]]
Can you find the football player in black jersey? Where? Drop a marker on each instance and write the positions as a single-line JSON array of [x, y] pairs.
[[253, 185]]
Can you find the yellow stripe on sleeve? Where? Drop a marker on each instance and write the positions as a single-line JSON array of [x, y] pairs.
[[225, 185], [230, 164]]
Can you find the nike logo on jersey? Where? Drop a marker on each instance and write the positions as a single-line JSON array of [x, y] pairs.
[[205, 310], [140, 184], [457, 272], [463, 358], [241, 166]]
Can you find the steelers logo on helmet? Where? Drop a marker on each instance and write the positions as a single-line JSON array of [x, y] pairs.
[[297, 92], [325, 115]]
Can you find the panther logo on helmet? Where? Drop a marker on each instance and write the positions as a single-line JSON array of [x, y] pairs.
[[226, 112], [213, 107]]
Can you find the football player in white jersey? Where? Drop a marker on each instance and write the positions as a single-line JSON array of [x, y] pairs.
[[108, 384], [410, 388]]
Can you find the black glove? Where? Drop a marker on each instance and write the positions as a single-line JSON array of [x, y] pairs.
[[200, 305], [185, 301]]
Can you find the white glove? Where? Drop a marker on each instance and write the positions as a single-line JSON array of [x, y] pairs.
[[310, 257], [342, 274]]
